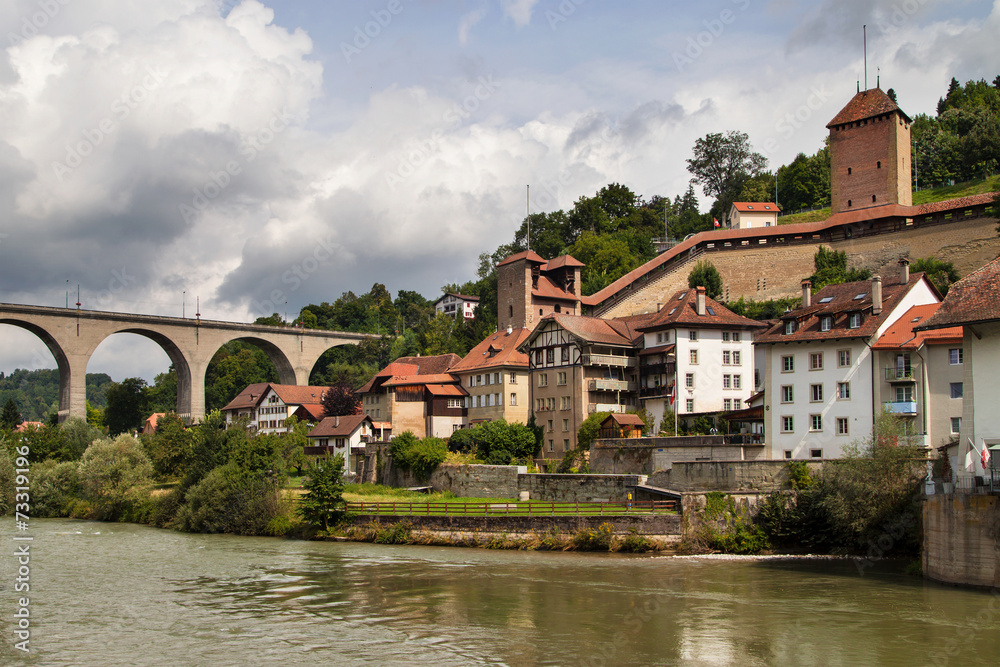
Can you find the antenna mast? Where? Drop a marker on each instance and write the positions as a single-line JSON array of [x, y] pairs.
[[865, 29], [527, 214]]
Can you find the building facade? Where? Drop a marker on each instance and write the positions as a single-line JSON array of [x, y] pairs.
[[747, 215], [341, 436], [530, 288], [495, 376], [266, 406], [457, 305]]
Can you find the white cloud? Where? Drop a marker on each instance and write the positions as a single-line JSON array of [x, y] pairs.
[[469, 21], [519, 10]]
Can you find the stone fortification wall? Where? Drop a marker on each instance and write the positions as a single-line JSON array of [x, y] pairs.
[[748, 476], [647, 455], [962, 539], [655, 525], [578, 488], [774, 270]]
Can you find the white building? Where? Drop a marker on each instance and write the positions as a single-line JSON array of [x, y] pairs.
[[702, 347], [973, 303], [454, 305], [745, 215], [267, 405], [819, 368], [341, 436]]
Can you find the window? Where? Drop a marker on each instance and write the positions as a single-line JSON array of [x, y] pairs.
[[694, 356], [736, 336], [842, 426], [788, 364], [551, 403], [727, 404], [736, 358], [727, 358], [854, 321], [689, 380], [955, 356], [787, 424], [727, 381], [565, 403], [789, 327], [456, 403], [956, 425], [479, 380], [825, 323], [543, 379], [552, 447], [565, 444], [816, 393], [787, 394], [550, 356], [815, 422], [479, 401], [816, 453], [497, 400], [737, 382], [561, 378], [788, 453], [550, 426], [843, 391], [692, 335], [843, 358], [513, 378], [816, 361], [725, 336], [488, 381], [564, 355], [496, 378], [956, 390], [472, 380], [659, 337], [565, 424], [689, 405], [904, 394], [513, 399]]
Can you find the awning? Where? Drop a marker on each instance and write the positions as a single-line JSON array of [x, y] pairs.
[[659, 349], [446, 390]]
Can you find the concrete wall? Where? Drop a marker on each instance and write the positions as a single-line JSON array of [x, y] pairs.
[[578, 488], [647, 455], [726, 476], [648, 525], [962, 539], [693, 505]]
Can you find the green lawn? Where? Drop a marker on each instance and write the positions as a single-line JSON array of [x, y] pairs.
[[923, 197]]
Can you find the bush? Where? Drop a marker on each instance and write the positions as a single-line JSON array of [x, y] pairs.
[[76, 435], [420, 457], [53, 486], [636, 543], [324, 497], [7, 480], [589, 539], [114, 476], [230, 500]]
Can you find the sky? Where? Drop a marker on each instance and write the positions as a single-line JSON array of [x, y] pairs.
[[253, 157]]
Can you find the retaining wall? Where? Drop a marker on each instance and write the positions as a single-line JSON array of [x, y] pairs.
[[655, 525], [962, 539], [763, 475], [643, 456], [578, 488]]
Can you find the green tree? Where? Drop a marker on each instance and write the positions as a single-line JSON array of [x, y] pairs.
[[169, 447], [589, 430], [831, 269], [128, 406], [11, 417], [339, 400], [293, 444], [235, 366], [44, 442], [704, 274], [115, 476], [942, 274], [667, 423], [76, 435], [323, 499], [722, 165], [607, 258], [499, 442]]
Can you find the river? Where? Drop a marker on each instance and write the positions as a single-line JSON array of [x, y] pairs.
[[122, 594]]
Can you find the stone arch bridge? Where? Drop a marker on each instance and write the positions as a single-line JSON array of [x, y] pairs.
[[73, 335]]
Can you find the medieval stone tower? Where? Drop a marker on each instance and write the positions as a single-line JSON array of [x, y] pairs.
[[870, 154], [529, 288]]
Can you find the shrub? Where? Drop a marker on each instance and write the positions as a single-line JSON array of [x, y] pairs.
[[323, 500], [634, 542], [230, 500], [7, 480], [420, 457], [589, 539], [114, 476], [53, 486], [77, 435]]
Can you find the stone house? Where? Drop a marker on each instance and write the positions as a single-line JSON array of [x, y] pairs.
[[268, 405], [344, 436], [495, 376]]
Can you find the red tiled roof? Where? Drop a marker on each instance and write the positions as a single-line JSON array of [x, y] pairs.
[[624, 419], [620, 331], [430, 378], [23, 426], [446, 390], [530, 255], [314, 412], [866, 104], [499, 349], [755, 206], [974, 298], [151, 422], [463, 297], [561, 261], [736, 236], [901, 335], [547, 289], [290, 394], [843, 301], [341, 427], [410, 366], [657, 350], [682, 309]]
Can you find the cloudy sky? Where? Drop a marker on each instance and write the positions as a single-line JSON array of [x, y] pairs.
[[261, 152]]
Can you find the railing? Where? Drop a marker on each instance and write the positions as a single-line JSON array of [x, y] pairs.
[[531, 508], [901, 407], [608, 360], [646, 392], [971, 485], [894, 374], [613, 385], [656, 369], [607, 407]]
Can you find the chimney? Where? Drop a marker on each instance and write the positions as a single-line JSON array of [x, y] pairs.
[[336, 422], [510, 329], [904, 270], [807, 299], [876, 295], [700, 303]]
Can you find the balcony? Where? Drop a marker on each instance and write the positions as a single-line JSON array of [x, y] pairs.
[[895, 374], [654, 392], [657, 369], [612, 385], [901, 408], [608, 360], [607, 407]]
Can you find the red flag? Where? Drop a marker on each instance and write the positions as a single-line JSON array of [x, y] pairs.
[[985, 456], [716, 221], [671, 400]]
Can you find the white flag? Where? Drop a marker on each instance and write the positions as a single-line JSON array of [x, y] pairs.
[[970, 461]]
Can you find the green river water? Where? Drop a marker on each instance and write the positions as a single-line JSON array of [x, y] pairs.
[[121, 594]]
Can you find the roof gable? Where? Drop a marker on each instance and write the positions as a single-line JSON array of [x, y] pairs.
[[682, 309], [974, 298], [866, 104]]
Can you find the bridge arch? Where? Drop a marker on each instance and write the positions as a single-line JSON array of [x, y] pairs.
[[62, 361], [284, 366]]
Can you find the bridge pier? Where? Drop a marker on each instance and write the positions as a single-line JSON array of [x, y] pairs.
[[73, 387]]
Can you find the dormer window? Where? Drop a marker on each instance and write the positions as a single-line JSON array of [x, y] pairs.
[[789, 327], [825, 323], [854, 320]]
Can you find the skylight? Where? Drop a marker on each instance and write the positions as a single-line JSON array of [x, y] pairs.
[[768, 208], [681, 297], [826, 299], [672, 311], [861, 296], [750, 207], [711, 311]]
